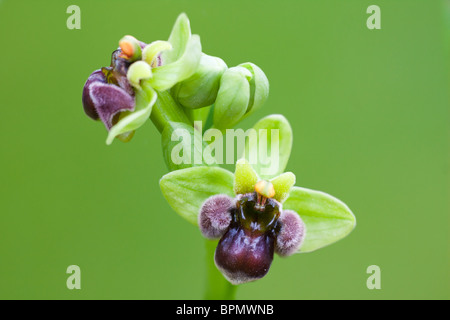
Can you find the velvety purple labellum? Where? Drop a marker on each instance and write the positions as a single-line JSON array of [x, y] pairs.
[[107, 92], [103, 100], [243, 255], [252, 227], [109, 100], [88, 105], [245, 252]]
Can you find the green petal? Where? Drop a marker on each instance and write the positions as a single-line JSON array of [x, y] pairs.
[[233, 97], [327, 219], [138, 71], [259, 87], [152, 50], [273, 162], [179, 37], [185, 190], [245, 177], [182, 146], [282, 185], [167, 75], [145, 99]]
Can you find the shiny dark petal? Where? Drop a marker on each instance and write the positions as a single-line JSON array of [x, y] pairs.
[[119, 64], [243, 255], [117, 73]]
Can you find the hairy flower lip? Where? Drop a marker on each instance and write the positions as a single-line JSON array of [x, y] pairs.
[[243, 255], [245, 251], [88, 104], [291, 234], [105, 101], [107, 91], [216, 216], [251, 230]]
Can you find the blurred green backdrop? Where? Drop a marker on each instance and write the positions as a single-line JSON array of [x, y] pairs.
[[369, 110]]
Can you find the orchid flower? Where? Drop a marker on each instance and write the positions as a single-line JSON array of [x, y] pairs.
[[256, 217]]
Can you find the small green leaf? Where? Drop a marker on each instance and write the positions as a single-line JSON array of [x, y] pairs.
[[185, 190], [327, 219], [273, 148], [167, 75], [182, 146], [145, 99], [245, 177], [233, 97], [282, 185]]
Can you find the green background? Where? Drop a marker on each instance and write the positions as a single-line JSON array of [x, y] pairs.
[[369, 109]]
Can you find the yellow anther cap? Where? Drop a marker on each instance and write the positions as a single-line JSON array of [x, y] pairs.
[[265, 188]]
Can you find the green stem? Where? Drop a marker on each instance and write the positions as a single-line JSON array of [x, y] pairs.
[[217, 287], [166, 110], [200, 114]]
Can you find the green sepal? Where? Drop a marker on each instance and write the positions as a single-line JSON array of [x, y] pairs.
[[327, 219], [187, 189], [167, 75], [182, 60], [179, 37]]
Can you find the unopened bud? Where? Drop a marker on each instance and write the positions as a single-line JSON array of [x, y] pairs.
[[233, 97], [200, 90]]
